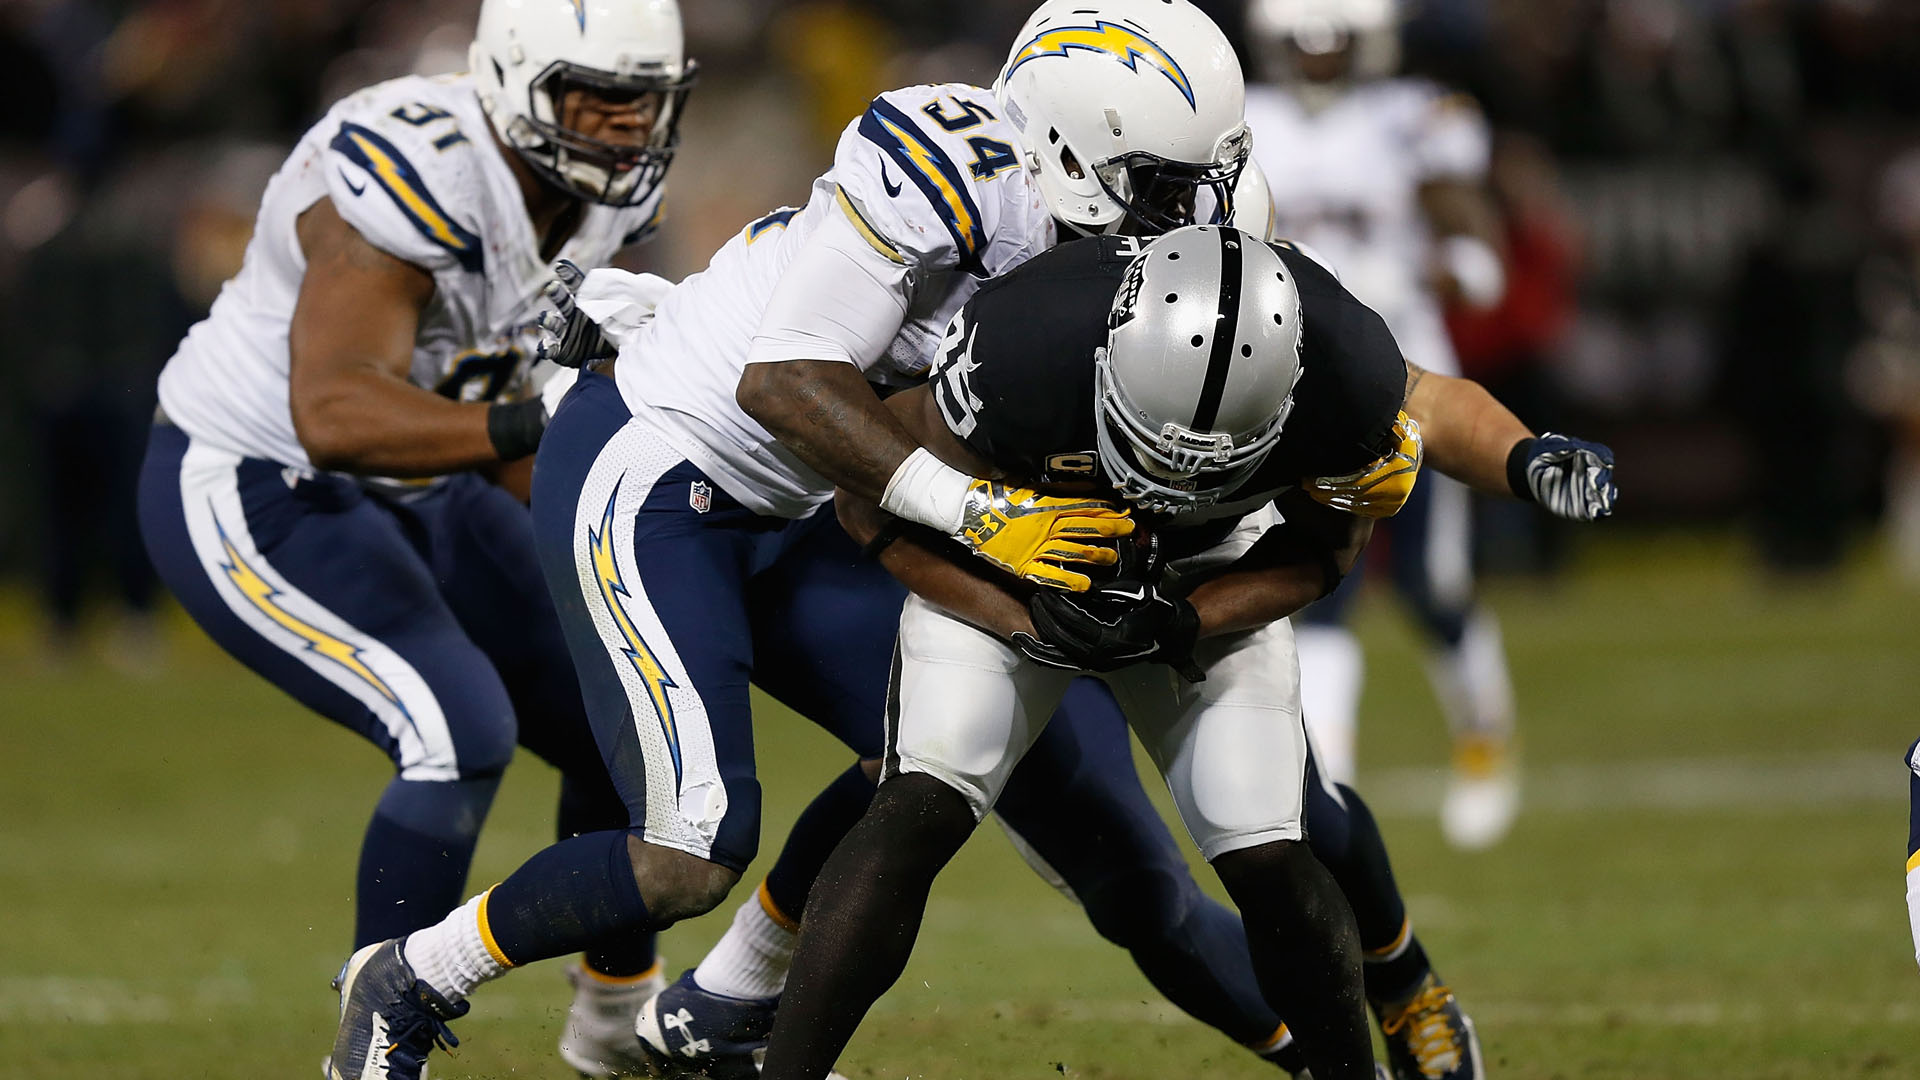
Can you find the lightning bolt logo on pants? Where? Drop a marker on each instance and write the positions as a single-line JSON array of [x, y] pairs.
[[263, 595], [606, 573]]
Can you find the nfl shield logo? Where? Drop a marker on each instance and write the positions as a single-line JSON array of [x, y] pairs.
[[701, 496]]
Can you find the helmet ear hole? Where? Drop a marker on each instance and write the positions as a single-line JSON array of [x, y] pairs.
[[1071, 164]]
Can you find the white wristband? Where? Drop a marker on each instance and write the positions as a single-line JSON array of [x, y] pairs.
[[1476, 268], [925, 490]]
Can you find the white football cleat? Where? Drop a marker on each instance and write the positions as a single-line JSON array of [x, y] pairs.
[[599, 1039], [1483, 795]]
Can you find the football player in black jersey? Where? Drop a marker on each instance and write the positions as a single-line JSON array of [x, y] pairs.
[[1228, 384]]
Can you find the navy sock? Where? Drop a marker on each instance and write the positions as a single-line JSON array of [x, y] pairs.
[[414, 859], [573, 895], [589, 805], [814, 836]]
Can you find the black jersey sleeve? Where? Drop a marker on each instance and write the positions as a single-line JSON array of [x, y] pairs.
[[1014, 380], [1352, 385]]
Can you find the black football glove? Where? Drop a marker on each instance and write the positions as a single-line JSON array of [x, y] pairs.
[[567, 336], [1571, 478], [1112, 626]]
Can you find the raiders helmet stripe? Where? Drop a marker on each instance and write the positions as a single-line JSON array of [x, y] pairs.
[[1225, 331]]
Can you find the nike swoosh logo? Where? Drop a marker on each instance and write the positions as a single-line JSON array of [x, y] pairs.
[[893, 189], [357, 190]]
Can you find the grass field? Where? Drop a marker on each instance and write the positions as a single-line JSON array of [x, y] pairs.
[[1709, 884]]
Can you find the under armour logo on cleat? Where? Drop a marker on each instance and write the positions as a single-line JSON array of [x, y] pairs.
[[683, 1020]]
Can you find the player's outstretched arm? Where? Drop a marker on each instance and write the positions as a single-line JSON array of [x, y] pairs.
[[936, 570], [930, 565], [1476, 440], [352, 342]]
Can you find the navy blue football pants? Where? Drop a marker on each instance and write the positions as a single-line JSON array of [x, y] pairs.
[[419, 623]]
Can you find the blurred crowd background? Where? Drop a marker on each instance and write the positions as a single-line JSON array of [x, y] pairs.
[[1713, 210]]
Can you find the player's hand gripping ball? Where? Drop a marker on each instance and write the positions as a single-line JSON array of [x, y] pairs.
[[1112, 626]]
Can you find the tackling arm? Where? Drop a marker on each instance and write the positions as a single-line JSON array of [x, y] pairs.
[[838, 306], [1467, 432], [932, 567], [351, 344], [1476, 440]]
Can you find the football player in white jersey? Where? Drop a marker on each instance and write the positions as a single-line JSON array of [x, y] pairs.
[[313, 487], [1382, 177], [677, 502]]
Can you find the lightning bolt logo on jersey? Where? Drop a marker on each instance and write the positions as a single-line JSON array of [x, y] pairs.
[[1128, 46]]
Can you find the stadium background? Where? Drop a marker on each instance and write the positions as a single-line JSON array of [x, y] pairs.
[[1714, 209]]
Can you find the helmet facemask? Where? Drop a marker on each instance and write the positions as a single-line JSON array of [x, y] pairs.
[[1160, 196], [1172, 469], [614, 174]]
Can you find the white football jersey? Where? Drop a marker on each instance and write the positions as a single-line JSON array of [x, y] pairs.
[[927, 187], [1346, 182], [413, 166]]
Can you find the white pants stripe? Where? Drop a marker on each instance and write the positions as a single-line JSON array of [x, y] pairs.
[[686, 798], [301, 626]]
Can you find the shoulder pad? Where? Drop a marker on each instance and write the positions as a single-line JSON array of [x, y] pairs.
[[918, 166], [404, 174]]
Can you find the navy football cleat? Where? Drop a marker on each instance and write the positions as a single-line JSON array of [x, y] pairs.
[[1429, 1037], [389, 1019], [688, 1032]]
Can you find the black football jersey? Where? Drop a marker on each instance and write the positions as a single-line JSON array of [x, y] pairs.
[[1014, 379]]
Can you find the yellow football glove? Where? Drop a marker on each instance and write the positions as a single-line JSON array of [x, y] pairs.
[[1382, 488], [1033, 535]]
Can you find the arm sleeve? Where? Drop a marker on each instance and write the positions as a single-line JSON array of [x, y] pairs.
[[375, 186], [841, 298]]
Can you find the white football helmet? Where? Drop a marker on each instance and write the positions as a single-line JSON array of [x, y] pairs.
[[1367, 30], [1196, 381], [1128, 110], [527, 53]]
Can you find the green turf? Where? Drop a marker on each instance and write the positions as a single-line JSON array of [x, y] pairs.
[[176, 855]]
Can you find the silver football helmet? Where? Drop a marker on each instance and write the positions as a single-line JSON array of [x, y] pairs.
[[1197, 377]]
